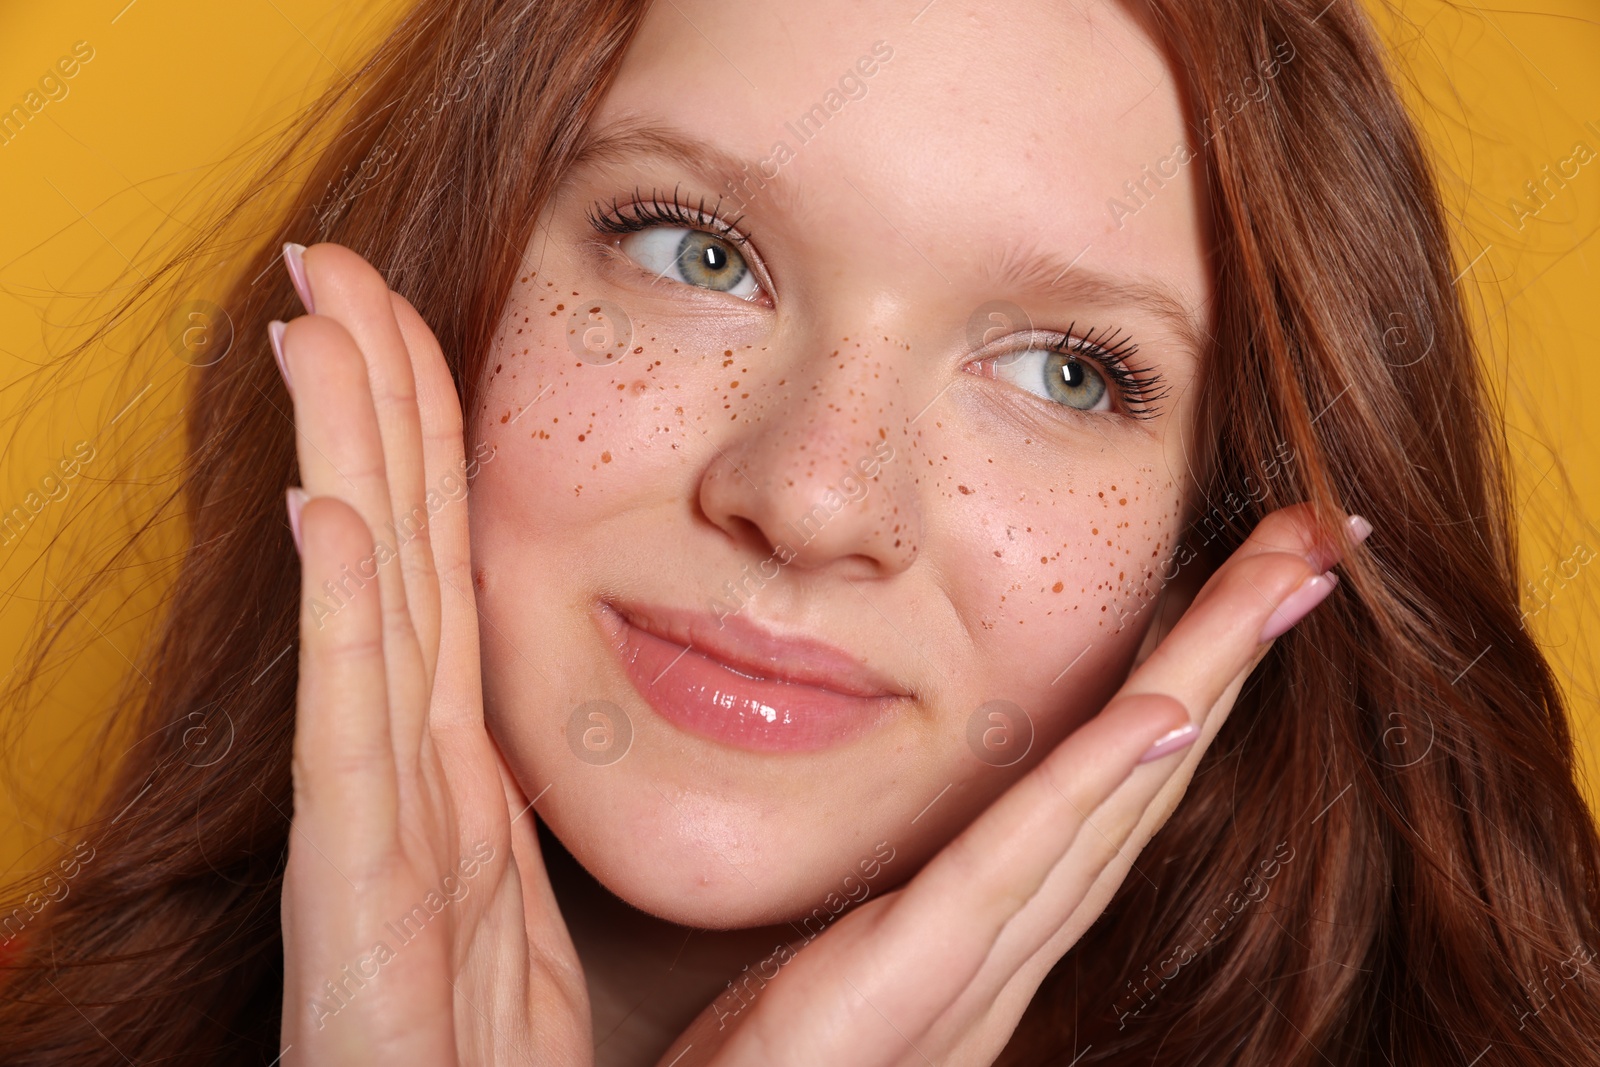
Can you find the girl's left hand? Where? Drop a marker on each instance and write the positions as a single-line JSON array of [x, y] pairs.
[[942, 969]]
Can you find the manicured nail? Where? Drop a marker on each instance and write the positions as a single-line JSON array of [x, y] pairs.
[[1360, 529], [293, 258], [275, 335], [1169, 743], [295, 499], [1298, 604]]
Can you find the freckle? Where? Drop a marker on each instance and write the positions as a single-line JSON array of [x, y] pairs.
[[605, 457], [964, 490], [479, 578], [1056, 588], [561, 307], [1123, 501], [506, 416], [582, 436]]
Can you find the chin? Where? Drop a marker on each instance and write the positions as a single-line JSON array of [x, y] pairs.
[[720, 859], [686, 881]]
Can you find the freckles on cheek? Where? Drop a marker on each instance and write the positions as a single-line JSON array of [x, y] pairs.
[[1084, 559], [577, 391]]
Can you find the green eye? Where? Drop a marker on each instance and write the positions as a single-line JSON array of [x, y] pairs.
[[693, 257], [708, 261], [1057, 376], [1075, 384]]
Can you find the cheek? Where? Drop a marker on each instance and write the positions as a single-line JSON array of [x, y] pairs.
[[576, 394], [1057, 583], [1096, 559]]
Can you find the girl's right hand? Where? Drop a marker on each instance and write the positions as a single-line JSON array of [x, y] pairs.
[[418, 922]]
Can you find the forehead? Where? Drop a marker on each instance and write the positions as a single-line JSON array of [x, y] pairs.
[[1002, 129]]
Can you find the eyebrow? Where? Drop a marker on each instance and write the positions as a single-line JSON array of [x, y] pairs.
[[627, 139], [1048, 276], [1043, 275]]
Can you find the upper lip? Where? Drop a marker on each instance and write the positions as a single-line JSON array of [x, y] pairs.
[[751, 649]]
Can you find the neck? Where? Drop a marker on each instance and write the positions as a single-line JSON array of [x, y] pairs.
[[647, 978]]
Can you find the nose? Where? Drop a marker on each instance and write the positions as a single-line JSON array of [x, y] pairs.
[[819, 476]]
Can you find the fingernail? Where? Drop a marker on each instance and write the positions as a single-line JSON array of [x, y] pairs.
[[1325, 553], [1169, 743], [1298, 604], [295, 499], [293, 258], [275, 335]]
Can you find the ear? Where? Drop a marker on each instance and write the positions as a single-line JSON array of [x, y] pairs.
[[1171, 602]]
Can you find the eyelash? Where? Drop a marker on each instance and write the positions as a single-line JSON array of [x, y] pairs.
[[643, 212], [1108, 350]]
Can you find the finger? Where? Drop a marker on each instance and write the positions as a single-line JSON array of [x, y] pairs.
[[457, 693], [548, 937], [1020, 872], [1210, 649], [341, 455], [1085, 879], [1271, 581], [1223, 629], [350, 291], [1201, 665], [345, 807], [966, 894], [1221, 632], [344, 772]]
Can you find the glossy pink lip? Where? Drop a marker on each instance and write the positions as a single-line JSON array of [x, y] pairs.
[[738, 684]]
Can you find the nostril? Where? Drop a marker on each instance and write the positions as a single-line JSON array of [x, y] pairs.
[[747, 533]]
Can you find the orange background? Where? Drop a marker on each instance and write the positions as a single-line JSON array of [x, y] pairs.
[[98, 182]]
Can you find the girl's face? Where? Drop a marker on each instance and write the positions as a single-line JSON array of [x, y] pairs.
[[839, 429]]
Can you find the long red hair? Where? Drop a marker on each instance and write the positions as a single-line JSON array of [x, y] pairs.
[[1384, 857]]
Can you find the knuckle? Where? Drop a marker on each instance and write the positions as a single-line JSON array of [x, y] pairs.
[[1293, 530], [344, 269], [1273, 575], [333, 646]]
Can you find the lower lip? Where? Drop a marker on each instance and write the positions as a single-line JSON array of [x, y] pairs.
[[699, 694]]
